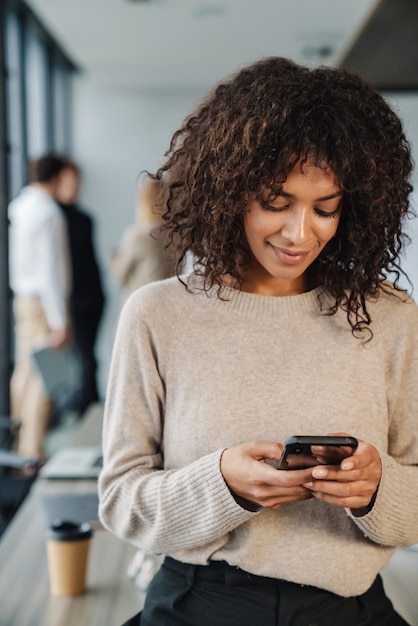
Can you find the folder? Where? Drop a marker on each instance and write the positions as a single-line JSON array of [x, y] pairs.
[[58, 370]]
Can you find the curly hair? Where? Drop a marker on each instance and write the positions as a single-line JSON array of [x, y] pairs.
[[248, 134]]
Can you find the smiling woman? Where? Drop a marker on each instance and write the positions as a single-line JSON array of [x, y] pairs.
[[288, 231], [289, 186]]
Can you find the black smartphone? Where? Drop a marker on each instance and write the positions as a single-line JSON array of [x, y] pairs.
[[297, 453]]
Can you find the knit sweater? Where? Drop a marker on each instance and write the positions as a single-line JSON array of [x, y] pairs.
[[193, 374]]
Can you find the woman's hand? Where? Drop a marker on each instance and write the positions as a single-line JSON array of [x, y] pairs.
[[353, 483], [251, 480]]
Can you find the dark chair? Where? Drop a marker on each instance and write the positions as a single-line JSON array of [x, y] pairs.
[[17, 473]]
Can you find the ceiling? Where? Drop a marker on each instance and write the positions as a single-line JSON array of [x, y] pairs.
[[151, 45], [386, 50]]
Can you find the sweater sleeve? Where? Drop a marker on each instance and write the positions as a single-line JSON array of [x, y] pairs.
[[158, 509], [393, 519]]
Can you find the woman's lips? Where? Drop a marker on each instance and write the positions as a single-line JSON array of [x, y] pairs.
[[289, 257]]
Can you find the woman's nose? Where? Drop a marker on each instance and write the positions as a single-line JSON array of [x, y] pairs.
[[297, 226]]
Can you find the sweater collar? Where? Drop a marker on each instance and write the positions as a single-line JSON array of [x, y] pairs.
[[250, 305]]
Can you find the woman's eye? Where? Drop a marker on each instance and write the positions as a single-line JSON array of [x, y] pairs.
[[275, 209], [322, 213]]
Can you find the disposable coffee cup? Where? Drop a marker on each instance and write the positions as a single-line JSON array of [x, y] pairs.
[[67, 545]]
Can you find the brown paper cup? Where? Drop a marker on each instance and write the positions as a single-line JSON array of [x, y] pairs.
[[67, 551]]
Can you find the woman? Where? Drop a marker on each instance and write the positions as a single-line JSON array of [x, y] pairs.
[[289, 186], [141, 257]]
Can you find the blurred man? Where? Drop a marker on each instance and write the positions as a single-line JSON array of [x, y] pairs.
[[86, 297], [40, 281]]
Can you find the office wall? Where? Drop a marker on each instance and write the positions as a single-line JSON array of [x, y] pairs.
[[406, 105], [116, 135]]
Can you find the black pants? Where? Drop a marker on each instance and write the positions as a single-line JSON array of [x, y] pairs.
[[221, 595], [86, 326]]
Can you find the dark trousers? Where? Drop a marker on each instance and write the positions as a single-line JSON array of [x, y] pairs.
[[86, 326], [221, 595]]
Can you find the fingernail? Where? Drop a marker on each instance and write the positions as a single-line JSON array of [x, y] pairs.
[[319, 472], [347, 465]]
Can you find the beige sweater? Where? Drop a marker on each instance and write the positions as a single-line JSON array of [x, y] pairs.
[[192, 375], [140, 259]]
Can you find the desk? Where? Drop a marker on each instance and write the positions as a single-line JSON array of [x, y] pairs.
[[24, 585], [400, 579], [111, 597]]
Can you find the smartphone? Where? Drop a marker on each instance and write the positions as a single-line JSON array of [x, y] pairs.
[[297, 453]]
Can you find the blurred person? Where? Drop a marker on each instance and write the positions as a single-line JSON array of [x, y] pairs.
[[141, 257], [40, 278], [87, 297]]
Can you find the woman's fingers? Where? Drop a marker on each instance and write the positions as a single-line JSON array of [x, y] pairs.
[[353, 483], [250, 478]]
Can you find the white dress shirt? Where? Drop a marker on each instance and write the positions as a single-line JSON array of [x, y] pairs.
[[39, 255]]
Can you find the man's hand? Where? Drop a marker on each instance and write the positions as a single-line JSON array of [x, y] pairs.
[[60, 338]]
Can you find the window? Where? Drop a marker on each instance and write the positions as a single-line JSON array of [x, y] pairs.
[[14, 89], [35, 116], [38, 92]]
